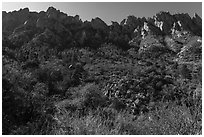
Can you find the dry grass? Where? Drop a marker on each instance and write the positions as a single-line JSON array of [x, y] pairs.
[[165, 120]]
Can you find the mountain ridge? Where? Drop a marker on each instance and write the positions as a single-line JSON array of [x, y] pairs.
[[62, 75], [51, 11], [22, 27]]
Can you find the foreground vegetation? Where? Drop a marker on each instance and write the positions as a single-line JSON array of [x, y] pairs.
[[103, 91], [63, 76]]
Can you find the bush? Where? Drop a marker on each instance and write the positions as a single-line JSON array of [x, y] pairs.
[[89, 96]]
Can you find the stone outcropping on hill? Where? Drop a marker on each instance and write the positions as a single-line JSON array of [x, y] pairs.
[[23, 26]]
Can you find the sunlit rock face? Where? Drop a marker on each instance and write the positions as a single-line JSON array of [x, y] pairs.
[[167, 21], [145, 30], [159, 24], [176, 28], [132, 25], [189, 24], [150, 29], [128, 33]]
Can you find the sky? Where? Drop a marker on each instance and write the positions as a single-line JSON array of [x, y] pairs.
[[109, 11]]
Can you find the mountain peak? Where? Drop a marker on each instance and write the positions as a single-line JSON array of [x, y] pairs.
[[24, 9], [163, 23], [51, 9]]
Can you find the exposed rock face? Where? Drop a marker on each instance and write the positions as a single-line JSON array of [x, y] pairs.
[[150, 29], [167, 21], [176, 28], [188, 24], [132, 26], [159, 24], [72, 31], [131, 23]]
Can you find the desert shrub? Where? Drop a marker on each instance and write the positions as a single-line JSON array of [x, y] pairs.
[[24, 99], [89, 96], [70, 56], [94, 123], [167, 119], [170, 118], [109, 51], [49, 88]]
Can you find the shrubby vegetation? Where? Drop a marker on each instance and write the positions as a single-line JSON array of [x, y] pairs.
[[104, 91], [81, 80]]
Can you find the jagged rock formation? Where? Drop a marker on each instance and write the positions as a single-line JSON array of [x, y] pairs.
[[22, 26]]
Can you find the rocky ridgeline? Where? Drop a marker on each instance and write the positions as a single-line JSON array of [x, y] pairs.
[[56, 28]]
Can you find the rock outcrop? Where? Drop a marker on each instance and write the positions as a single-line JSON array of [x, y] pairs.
[[131, 32]]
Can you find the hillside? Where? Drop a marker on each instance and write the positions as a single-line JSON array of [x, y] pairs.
[[61, 75]]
